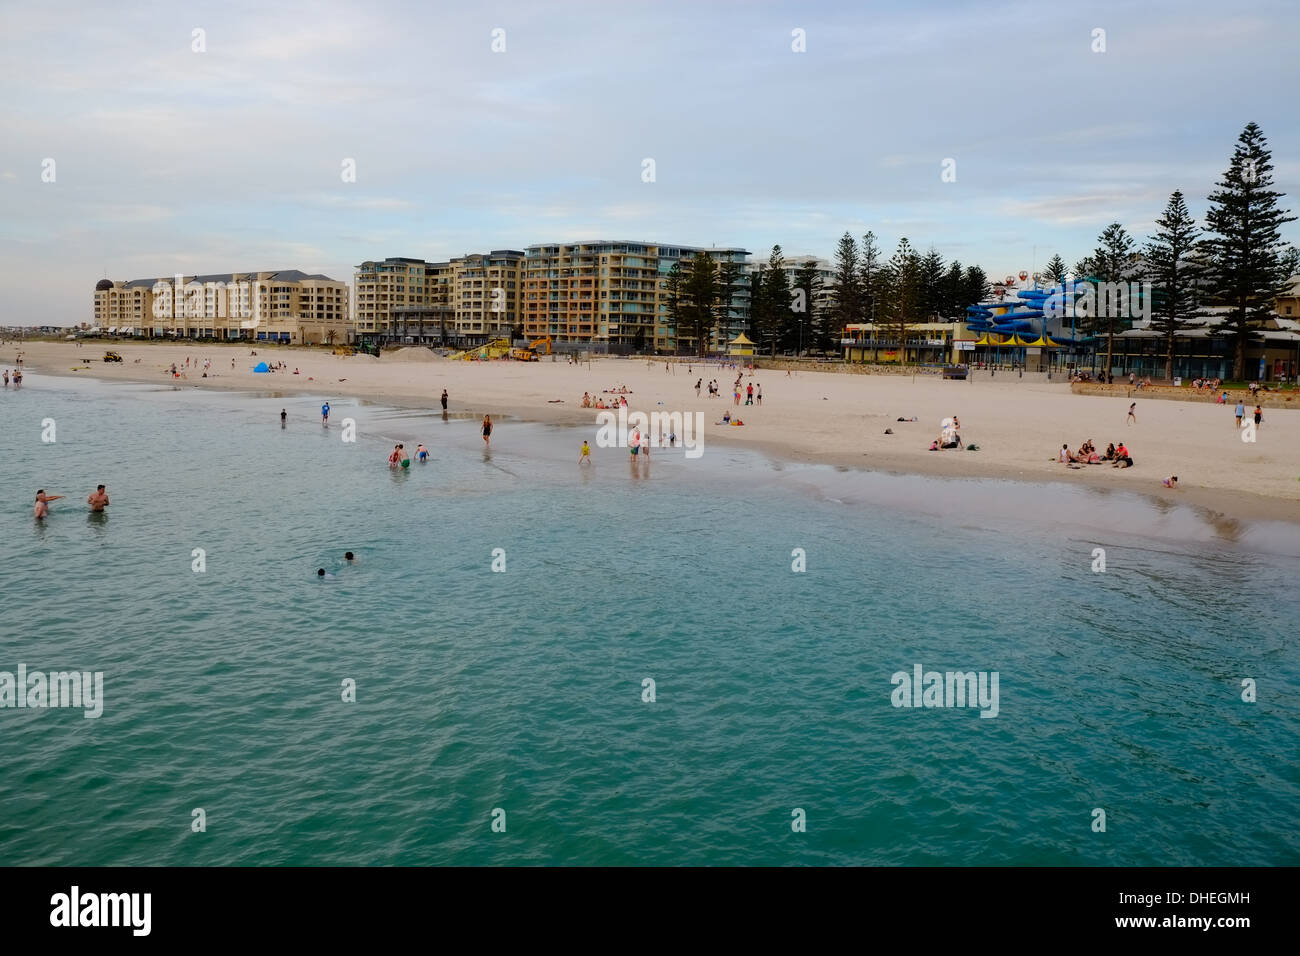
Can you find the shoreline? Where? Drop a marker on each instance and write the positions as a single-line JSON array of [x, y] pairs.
[[393, 382]]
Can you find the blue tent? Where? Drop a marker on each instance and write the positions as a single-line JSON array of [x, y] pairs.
[[261, 367]]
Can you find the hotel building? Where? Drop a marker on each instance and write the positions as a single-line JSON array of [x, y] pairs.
[[287, 306]]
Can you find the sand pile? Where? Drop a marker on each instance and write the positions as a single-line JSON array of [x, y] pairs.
[[414, 354]]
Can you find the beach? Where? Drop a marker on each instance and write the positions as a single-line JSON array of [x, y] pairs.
[[814, 417]]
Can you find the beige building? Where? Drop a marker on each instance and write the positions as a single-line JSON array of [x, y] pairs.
[[467, 300], [613, 294], [287, 306]]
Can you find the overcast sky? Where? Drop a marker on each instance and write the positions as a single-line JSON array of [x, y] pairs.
[[170, 160]]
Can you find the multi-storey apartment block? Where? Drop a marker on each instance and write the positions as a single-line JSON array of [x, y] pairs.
[[613, 294]]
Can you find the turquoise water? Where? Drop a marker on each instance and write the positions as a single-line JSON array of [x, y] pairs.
[[522, 690]]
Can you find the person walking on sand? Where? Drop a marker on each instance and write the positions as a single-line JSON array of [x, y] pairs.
[[487, 430], [698, 383], [1240, 412], [749, 394], [585, 454], [1259, 416], [43, 503], [98, 499], [1132, 414], [758, 394]]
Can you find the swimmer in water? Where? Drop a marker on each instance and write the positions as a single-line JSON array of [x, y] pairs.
[[98, 499], [43, 503], [322, 574], [350, 558]]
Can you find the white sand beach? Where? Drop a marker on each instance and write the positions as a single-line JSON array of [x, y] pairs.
[[826, 417]]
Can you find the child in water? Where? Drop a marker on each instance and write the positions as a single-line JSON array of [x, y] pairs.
[[585, 455], [421, 453]]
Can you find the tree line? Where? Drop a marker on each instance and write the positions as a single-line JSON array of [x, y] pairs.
[[1238, 261]]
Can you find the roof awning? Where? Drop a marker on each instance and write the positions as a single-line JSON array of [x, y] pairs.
[[740, 340]]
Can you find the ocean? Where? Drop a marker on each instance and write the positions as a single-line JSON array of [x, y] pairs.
[[648, 678]]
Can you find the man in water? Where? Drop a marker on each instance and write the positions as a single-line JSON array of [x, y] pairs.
[[350, 558], [444, 399], [421, 453], [98, 499], [283, 416], [43, 503], [322, 574], [325, 414]]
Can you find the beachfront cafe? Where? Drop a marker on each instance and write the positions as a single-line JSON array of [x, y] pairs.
[[928, 343]]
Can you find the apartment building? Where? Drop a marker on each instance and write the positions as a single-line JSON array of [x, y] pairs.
[[612, 294], [467, 300], [287, 306]]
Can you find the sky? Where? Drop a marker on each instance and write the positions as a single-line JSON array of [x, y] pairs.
[[168, 158]]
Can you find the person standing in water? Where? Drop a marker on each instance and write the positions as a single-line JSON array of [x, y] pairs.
[[585, 454], [421, 453], [43, 502], [6, 378], [325, 414], [487, 430], [283, 416], [98, 499], [444, 399]]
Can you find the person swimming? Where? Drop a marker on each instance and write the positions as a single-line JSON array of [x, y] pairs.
[[322, 574], [43, 502], [98, 499], [350, 558]]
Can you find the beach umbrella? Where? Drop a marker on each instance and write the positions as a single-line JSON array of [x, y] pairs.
[[261, 367]]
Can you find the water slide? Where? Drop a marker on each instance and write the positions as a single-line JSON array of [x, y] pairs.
[[1028, 316]]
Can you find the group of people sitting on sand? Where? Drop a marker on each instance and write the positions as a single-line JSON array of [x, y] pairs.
[[598, 402], [617, 390], [1118, 456]]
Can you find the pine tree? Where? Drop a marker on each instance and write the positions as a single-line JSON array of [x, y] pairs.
[[777, 299], [903, 283], [952, 307], [700, 297], [673, 291], [929, 278], [1112, 262], [812, 331], [1172, 275], [1054, 272], [730, 276], [848, 282], [975, 286], [869, 267], [1248, 262]]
